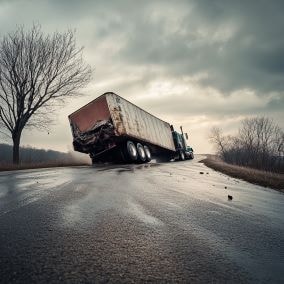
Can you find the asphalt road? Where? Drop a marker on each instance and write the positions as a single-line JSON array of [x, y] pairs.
[[138, 223]]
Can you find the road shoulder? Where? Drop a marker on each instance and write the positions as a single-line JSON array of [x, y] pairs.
[[266, 179]]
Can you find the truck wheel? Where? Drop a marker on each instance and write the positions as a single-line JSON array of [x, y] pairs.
[[147, 153], [131, 151], [181, 155], [141, 153]]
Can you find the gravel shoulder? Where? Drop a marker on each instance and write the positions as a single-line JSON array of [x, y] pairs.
[[263, 178]]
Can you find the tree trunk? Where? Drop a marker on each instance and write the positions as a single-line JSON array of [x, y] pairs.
[[16, 148]]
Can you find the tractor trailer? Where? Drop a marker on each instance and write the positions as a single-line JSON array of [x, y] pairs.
[[112, 129]]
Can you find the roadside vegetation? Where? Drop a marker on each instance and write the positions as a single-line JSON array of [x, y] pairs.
[[255, 154], [259, 177], [32, 158], [259, 144]]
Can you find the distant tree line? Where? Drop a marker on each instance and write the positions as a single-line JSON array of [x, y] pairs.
[[38, 156], [259, 144]]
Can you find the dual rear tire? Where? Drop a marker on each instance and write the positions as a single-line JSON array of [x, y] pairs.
[[137, 153], [131, 151], [181, 155]]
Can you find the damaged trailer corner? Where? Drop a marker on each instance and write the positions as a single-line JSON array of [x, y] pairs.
[[93, 139]]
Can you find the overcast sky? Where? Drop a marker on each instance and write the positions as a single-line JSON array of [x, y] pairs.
[[196, 63]]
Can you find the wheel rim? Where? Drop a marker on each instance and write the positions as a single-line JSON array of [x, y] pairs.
[[147, 153], [141, 152], [132, 151]]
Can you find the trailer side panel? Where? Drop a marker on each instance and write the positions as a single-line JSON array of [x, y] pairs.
[[130, 120]]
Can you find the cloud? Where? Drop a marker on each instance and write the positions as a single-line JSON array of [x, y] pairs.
[[229, 40], [232, 43], [199, 62]]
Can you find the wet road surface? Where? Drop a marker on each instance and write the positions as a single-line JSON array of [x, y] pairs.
[[137, 223]]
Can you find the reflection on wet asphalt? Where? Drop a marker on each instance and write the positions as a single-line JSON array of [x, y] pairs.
[[129, 223]]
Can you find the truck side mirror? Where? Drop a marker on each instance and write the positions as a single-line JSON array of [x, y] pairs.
[[186, 136]]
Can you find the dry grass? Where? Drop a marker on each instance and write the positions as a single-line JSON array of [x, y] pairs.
[[11, 167], [267, 179]]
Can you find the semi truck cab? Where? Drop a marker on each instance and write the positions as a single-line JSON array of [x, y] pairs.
[[182, 150]]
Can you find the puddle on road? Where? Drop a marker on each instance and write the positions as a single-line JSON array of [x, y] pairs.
[[120, 171], [124, 168]]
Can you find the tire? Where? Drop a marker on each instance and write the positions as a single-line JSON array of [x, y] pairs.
[[141, 153], [131, 151], [181, 155], [147, 153]]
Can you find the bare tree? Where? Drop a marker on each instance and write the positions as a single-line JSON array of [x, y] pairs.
[[36, 71], [216, 137]]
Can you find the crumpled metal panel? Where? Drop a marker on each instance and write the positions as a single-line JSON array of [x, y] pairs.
[[94, 140], [129, 119]]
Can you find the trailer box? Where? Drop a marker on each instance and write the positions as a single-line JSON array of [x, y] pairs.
[[109, 120]]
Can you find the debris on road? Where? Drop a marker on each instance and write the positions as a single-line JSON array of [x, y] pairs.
[[202, 173], [230, 197]]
